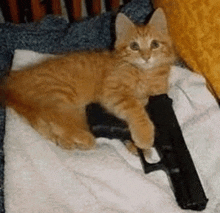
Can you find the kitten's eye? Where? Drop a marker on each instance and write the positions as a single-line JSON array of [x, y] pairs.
[[154, 44], [134, 46]]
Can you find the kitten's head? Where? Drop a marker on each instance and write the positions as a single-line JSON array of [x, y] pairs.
[[146, 46]]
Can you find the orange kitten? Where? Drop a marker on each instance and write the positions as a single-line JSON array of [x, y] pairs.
[[53, 95]]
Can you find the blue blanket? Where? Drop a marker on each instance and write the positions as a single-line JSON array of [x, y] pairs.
[[55, 35]]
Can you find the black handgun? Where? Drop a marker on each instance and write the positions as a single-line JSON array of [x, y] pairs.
[[175, 158]]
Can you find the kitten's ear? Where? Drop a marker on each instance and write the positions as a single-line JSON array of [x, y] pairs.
[[122, 26], [158, 20]]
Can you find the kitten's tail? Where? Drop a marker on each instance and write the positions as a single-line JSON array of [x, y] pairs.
[[7, 96]]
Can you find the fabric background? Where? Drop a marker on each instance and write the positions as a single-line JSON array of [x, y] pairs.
[[195, 27]]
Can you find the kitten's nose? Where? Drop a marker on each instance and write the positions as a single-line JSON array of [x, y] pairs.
[[146, 57]]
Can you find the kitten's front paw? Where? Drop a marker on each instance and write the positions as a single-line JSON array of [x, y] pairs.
[[143, 136], [132, 148]]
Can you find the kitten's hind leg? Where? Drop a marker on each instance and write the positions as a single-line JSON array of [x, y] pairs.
[[68, 128]]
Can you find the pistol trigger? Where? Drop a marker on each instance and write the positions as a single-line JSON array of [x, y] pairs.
[[149, 167]]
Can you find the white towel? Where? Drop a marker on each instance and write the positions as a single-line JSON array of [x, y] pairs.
[[41, 177]]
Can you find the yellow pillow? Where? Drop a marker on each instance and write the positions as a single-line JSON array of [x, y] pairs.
[[195, 28]]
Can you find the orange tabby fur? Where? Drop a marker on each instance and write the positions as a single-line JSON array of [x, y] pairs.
[[53, 95]]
